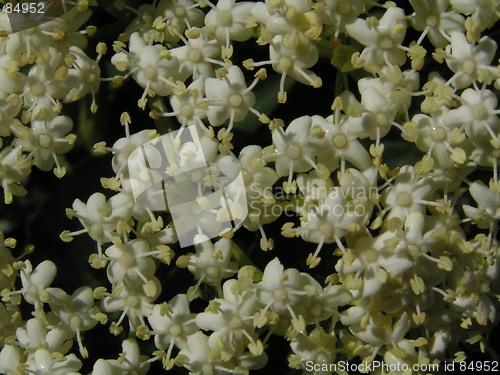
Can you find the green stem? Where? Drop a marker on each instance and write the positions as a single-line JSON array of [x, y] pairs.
[[324, 48], [243, 260]]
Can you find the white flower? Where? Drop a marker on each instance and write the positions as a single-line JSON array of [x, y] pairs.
[[258, 180], [375, 330], [284, 291], [468, 61], [339, 13], [124, 147], [132, 302], [172, 323], [78, 314], [14, 166], [409, 193], [229, 98], [9, 107], [212, 262], [152, 66], [36, 283], [344, 145], [130, 263], [361, 269], [439, 137], [130, 362], [84, 77], [97, 219], [484, 14], [231, 319], [317, 347], [229, 21], [382, 39], [29, 42], [191, 106], [12, 80], [10, 360], [44, 362], [296, 147], [143, 24], [179, 15], [36, 334], [46, 139], [288, 17], [379, 111], [293, 62], [45, 84], [478, 114], [398, 256], [197, 55], [432, 18], [488, 202]]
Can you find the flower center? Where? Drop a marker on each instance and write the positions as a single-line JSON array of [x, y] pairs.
[[404, 199], [225, 18], [480, 112], [371, 256], [45, 140], [469, 66], [150, 73], [280, 294], [294, 151], [133, 301], [148, 18], [89, 77], [381, 119], [326, 229], [33, 292], [187, 111], [439, 134], [344, 7], [195, 55], [37, 89], [127, 150], [235, 322], [75, 321], [316, 309], [413, 251], [96, 230], [127, 260], [432, 20], [340, 141], [180, 12], [235, 100], [385, 42], [212, 273], [175, 329], [285, 63]]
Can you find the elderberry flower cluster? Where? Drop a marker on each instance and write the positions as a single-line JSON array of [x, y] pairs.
[[395, 260], [41, 68]]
